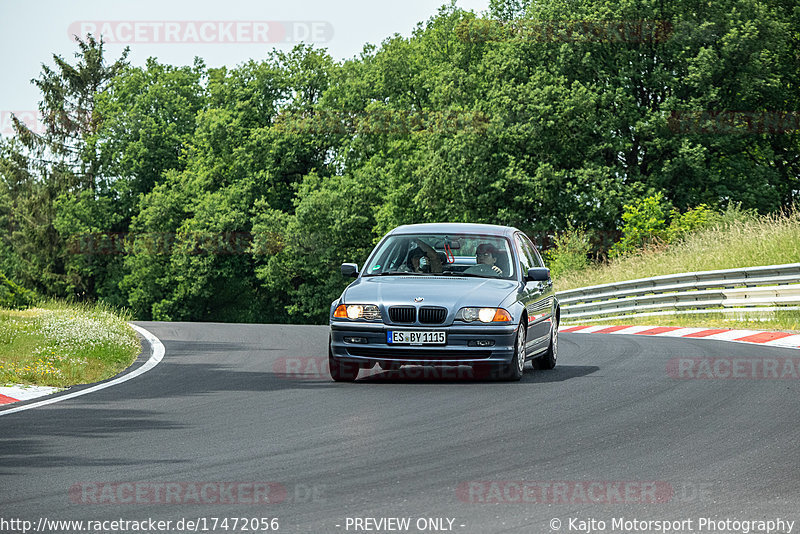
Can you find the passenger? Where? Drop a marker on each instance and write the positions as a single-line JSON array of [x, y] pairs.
[[485, 258]]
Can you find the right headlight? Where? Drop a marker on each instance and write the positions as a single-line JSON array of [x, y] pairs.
[[484, 315]]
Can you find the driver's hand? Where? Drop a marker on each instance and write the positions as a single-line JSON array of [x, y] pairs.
[[497, 269]]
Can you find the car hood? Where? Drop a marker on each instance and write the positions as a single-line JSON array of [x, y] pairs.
[[450, 292]]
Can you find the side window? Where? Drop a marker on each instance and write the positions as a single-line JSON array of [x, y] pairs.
[[524, 254], [537, 258]]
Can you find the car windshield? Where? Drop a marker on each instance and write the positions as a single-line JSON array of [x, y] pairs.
[[466, 255]]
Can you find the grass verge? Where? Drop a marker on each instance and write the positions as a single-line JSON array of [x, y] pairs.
[[740, 240], [61, 345]]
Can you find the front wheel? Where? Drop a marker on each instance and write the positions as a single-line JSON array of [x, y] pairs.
[[512, 371], [341, 371], [548, 360]]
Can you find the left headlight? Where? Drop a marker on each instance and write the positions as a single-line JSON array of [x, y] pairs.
[[369, 312], [484, 315]]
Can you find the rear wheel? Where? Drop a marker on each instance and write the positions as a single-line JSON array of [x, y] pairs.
[[512, 371], [548, 360], [341, 371]]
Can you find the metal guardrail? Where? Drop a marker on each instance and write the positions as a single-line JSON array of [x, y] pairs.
[[748, 290]]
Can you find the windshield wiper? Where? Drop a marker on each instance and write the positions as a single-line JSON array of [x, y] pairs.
[[471, 275], [397, 273]]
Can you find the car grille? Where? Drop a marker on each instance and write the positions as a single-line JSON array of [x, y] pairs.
[[431, 315], [403, 314], [418, 354]]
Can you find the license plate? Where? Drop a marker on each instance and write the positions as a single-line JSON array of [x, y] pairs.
[[415, 337]]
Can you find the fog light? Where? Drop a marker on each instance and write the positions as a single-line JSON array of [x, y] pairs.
[[349, 339], [480, 343]]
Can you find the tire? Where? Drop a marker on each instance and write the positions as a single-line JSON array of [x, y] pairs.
[[513, 370], [548, 360], [341, 371]]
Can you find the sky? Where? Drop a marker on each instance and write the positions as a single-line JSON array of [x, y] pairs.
[[225, 32]]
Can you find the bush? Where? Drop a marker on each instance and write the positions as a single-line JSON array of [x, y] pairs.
[[644, 222], [13, 296], [570, 253], [694, 219]]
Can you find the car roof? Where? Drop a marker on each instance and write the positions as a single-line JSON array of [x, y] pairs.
[[454, 228]]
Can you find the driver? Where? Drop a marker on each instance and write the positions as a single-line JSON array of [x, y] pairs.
[[485, 258]]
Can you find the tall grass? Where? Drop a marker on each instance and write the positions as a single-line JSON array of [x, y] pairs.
[[60, 344], [737, 240]]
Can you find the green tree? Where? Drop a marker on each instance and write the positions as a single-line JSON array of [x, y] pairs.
[[331, 224], [238, 163], [53, 173], [149, 116]]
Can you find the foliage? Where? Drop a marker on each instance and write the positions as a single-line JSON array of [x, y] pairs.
[[53, 179], [738, 239], [602, 116], [331, 225], [692, 220], [12, 296], [644, 222], [570, 253], [238, 166]]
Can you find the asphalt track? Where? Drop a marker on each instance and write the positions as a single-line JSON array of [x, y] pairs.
[[221, 407]]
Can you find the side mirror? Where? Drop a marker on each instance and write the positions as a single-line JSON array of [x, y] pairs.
[[538, 274], [350, 270]]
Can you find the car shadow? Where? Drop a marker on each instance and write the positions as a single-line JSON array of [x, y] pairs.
[[464, 374]]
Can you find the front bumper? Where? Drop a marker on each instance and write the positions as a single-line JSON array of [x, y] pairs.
[[456, 351]]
